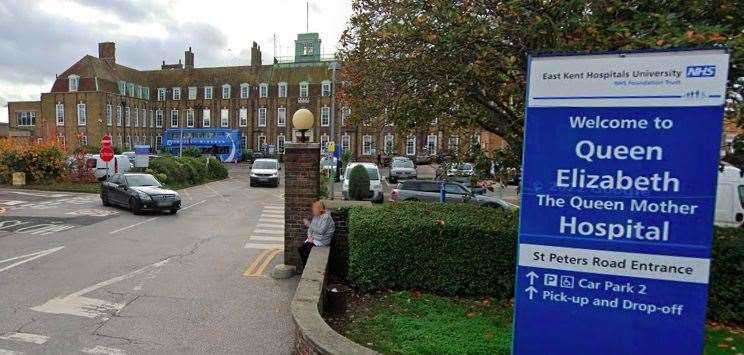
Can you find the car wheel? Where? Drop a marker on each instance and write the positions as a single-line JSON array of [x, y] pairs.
[[105, 200], [173, 211], [134, 206], [252, 183]]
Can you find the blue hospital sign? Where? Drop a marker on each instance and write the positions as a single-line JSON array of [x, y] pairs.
[[619, 184]]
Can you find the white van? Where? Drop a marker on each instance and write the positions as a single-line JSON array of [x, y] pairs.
[[120, 164], [375, 182], [730, 197]]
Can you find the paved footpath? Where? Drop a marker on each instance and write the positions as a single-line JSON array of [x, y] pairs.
[[77, 277]]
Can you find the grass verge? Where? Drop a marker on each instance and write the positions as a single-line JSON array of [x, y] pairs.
[[415, 323]]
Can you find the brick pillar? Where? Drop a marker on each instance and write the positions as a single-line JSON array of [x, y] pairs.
[[301, 189]]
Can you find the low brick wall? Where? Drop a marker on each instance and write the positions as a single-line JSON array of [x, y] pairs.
[[313, 334]]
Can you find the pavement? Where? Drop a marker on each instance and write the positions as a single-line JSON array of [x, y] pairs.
[[77, 277]]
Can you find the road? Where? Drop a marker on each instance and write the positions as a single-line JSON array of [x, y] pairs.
[[77, 277]]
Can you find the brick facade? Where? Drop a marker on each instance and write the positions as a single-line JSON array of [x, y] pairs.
[[301, 189]]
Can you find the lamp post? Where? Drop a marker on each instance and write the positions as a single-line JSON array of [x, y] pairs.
[[303, 120]]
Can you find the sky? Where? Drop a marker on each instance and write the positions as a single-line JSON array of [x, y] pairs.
[[41, 38]]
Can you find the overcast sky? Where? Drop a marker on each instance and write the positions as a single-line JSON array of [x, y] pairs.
[[41, 38]]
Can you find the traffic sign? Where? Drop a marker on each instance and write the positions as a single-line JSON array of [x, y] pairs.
[[107, 154], [616, 218], [106, 141], [331, 146]]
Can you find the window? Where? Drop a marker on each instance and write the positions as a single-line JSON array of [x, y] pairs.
[[136, 140], [411, 145], [60, 113], [243, 114], [325, 88], [61, 138], [262, 117], [434, 121], [128, 116], [389, 144], [136, 117], [129, 141], [280, 144], [345, 142], [159, 118], [26, 118], [130, 89], [263, 90], [207, 92], [454, 189], [261, 142], [174, 118], [139, 91], [83, 140], [303, 89], [161, 94], [109, 115], [158, 141], [144, 117], [74, 83], [224, 117], [226, 91], [431, 144], [146, 93], [281, 116], [152, 118], [345, 113], [205, 118], [190, 117], [118, 116], [282, 88], [176, 93], [122, 87], [453, 143], [367, 145], [307, 48], [192, 92], [244, 90], [325, 116], [118, 140]]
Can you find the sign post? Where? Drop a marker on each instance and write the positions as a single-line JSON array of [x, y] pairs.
[[618, 199]]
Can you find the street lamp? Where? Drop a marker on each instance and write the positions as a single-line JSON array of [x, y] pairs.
[[303, 120]]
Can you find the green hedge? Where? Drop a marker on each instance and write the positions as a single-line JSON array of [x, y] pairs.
[[469, 250], [185, 171]]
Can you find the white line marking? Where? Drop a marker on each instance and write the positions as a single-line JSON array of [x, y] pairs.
[[263, 246], [266, 238], [9, 352], [193, 204], [30, 257], [268, 231], [133, 225], [38, 194], [25, 337], [277, 226], [270, 207], [271, 220], [102, 350], [215, 192], [272, 213], [77, 305]]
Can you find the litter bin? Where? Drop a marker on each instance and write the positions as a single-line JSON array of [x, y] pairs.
[[19, 179], [336, 296]]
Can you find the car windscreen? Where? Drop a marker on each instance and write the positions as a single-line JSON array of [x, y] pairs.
[[402, 164], [141, 180], [264, 164]]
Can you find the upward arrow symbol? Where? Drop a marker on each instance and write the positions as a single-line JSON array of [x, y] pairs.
[[531, 290], [532, 276]]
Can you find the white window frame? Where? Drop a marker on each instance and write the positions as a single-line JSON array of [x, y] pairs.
[[260, 141], [281, 117], [73, 83], [60, 114], [263, 90], [432, 148], [345, 113], [119, 115], [224, 117], [83, 140], [158, 141], [245, 91], [345, 142], [128, 116], [109, 115], [325, 116], [282, 89], [280, 143], [174, 114], [176, 94], [159, 118], [325, 88], [412, 141], [304, 89], [144, 117], [389, 138], [262, 117], [136, 117], [206, 118], [210, 91], [243, 117], [324, 139], [366, 144], [190, 118], [226, 91], [161, 94], [152, 118], [129, 141], [26, 119], [192, 92]]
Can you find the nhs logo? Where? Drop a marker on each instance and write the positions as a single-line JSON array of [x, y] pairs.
[[700, 71]]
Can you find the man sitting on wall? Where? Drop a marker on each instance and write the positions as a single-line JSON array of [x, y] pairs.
[[319, 231]]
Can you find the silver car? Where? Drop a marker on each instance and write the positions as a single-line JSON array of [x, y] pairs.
[[402, 168], [454, 192]]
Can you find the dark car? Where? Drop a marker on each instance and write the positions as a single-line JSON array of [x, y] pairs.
[[139, 192]]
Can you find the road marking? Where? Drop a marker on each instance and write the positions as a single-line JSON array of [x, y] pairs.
[[133, 225], [25, 337], [269, 231], [193, 204], [12, 202], [30, 257], [271, 220], [266, 238], [250, 245], [37, 194], [215, 192], [258, 266], [77, 305], [94, 212], [188, 195], [9, 352], [102, 350], [2, 210], [270, 207], [277, 226]]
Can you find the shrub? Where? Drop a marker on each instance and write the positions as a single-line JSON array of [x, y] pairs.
[[192, 152], [324, 181], [196, 167], [450, 249], [216, 169], [726, 287], [358, 183], [171, 168], [41, 162]]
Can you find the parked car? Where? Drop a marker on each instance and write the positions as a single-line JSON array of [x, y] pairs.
[[455, 192], [401, 168], [329, 164], [729, 194], [462, 169], [423, 159], [139, 192], [265, 172], [375, 182], [101, 169]]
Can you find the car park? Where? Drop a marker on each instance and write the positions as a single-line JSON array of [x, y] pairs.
[[401, 168], [454, 192], [139, 192], [265, 172], [375, 182]]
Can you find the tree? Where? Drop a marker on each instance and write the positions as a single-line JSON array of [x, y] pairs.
[[358, 183], [464, 61]]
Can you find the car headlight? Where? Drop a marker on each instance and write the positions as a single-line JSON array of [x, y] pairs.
[[253, 175], [144, 196], [177, 197]]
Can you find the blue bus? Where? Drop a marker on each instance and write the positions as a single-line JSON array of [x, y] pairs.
[[224, 143]]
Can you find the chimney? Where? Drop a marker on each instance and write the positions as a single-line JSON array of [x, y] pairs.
[[255, 55], [107, 51], [189, 59]]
